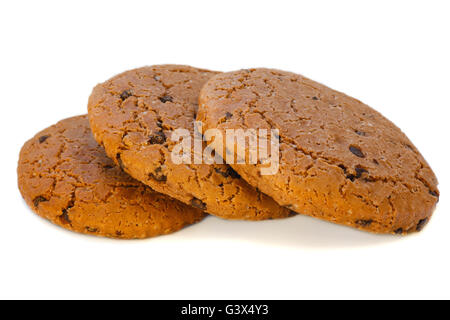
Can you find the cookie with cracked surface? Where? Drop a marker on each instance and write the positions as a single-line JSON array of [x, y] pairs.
[[340, 160], [133, 116], [66, 177]]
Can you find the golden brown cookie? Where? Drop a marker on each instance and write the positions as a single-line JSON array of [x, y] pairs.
[[134, 114], [340, 160], [66, 177]]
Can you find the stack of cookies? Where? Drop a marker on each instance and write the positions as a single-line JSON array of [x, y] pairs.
[[112, 172]]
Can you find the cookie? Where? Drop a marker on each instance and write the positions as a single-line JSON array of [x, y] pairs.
[[66, 177], [340, 160], [134, 114]]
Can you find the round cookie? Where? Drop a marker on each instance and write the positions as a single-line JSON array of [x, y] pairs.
[[340, 160], [66, 177], [134, 114]]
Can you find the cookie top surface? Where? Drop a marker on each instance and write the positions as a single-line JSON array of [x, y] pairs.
[[340, 160], [66, 177], [134, 114]]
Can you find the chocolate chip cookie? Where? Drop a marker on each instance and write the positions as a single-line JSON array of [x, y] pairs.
[[340, 160], [66, 177], [134, 114]]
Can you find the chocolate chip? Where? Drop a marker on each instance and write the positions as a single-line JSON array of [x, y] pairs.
[[228, 115], [89, 229], [158, 175], [125, 94], [64, 217], [223, 173], [434, 193], [118, 233], [364, 223], [129, 186], [421, 224], [315, 98], [233, 173], [38, 200], [228, 173], [277, 136], [399, 231], [356, 151], [292, 213], [43, 138], [157, 138], [197, 203], [166, 98], [359, 172], [119, 161]]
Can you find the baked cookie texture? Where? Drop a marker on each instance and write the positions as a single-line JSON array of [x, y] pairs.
[[66, 177], [340, 160], [133, 116]]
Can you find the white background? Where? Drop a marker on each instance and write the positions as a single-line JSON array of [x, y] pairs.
[[393, 55]]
